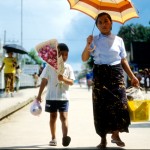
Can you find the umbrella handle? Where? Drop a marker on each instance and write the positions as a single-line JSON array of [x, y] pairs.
[[92, 34], [93, 28]]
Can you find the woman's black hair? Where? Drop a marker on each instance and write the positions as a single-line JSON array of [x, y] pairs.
[[7, 51], [102, 14], [63, 47]]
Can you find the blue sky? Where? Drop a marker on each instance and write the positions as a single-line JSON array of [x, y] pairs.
[[48, 19]]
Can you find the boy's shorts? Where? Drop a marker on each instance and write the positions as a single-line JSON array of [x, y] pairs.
[[54, 106]]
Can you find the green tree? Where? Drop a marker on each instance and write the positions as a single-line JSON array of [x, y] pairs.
[[134, 32], [35, 58], [90, 63], [87, 66]]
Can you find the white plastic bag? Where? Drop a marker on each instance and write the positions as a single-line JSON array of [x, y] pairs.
[[36, 108], [134, 93]]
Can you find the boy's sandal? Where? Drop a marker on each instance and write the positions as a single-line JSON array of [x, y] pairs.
[[118, 142], [66, 140], [53, 142]]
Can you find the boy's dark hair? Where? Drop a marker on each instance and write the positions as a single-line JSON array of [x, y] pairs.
[[63, 47]]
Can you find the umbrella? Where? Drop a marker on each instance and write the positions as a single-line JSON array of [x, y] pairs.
[[49, 53], [15, 48], [119, 10]]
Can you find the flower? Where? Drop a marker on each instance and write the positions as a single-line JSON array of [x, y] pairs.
[[49, 54]]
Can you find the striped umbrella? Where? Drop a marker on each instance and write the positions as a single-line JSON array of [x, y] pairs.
[[120, 10]]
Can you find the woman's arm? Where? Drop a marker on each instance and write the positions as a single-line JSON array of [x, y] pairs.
[[127, 69], [86, 52]]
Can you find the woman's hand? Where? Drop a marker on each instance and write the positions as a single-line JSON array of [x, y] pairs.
[[89, 40], [87, 49], [135, 82]]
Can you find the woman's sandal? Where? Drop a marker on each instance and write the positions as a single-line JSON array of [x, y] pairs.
[[102, 145], [118, 142], [53, 142]]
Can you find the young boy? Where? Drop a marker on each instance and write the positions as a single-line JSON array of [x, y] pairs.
[[57, 98]]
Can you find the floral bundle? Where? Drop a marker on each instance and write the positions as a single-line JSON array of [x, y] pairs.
[[49, 53]]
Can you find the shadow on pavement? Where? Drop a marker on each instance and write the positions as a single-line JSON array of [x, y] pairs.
[[57, 148], [140, 125]]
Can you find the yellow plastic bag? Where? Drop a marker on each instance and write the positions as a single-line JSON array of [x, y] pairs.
[[139, 110]]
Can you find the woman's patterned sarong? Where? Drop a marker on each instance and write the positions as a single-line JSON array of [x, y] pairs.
[[109, 100], [9, 82]]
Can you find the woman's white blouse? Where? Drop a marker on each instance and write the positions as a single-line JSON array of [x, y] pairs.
[[109, 49]]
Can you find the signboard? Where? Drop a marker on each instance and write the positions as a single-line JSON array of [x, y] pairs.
[[30, 69]]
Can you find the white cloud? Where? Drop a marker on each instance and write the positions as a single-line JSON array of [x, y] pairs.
[[42, 19], [51, 17]]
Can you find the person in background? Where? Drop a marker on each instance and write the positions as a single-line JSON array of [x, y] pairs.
[[17, 77], [36, 77], [80, 83], [89, 77], [57, 97], [40, 70], [146, 80], [9, 64], [110, 110], [141, 74]]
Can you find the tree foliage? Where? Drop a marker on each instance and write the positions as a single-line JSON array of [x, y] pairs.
[[90, 63], [87, 67], [133, 32], [34, 57]]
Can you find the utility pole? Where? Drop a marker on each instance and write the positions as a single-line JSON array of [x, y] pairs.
[[4, 42], [21, 30], [21, 22], [4, 37]]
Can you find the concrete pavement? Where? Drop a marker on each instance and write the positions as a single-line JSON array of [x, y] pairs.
[[25, 131], [21, 98]]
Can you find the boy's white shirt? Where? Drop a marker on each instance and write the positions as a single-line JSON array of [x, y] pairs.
[[57, 90]]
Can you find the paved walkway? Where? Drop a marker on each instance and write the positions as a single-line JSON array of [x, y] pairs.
[[25, 131], [21, 98]]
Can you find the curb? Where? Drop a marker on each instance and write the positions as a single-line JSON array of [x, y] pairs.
[[8, 111], [16, 106]]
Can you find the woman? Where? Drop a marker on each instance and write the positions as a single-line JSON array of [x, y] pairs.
[[10, 64], [109, 92]]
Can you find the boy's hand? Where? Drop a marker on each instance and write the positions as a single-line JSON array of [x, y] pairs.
[[60, 77], [39, 99]]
